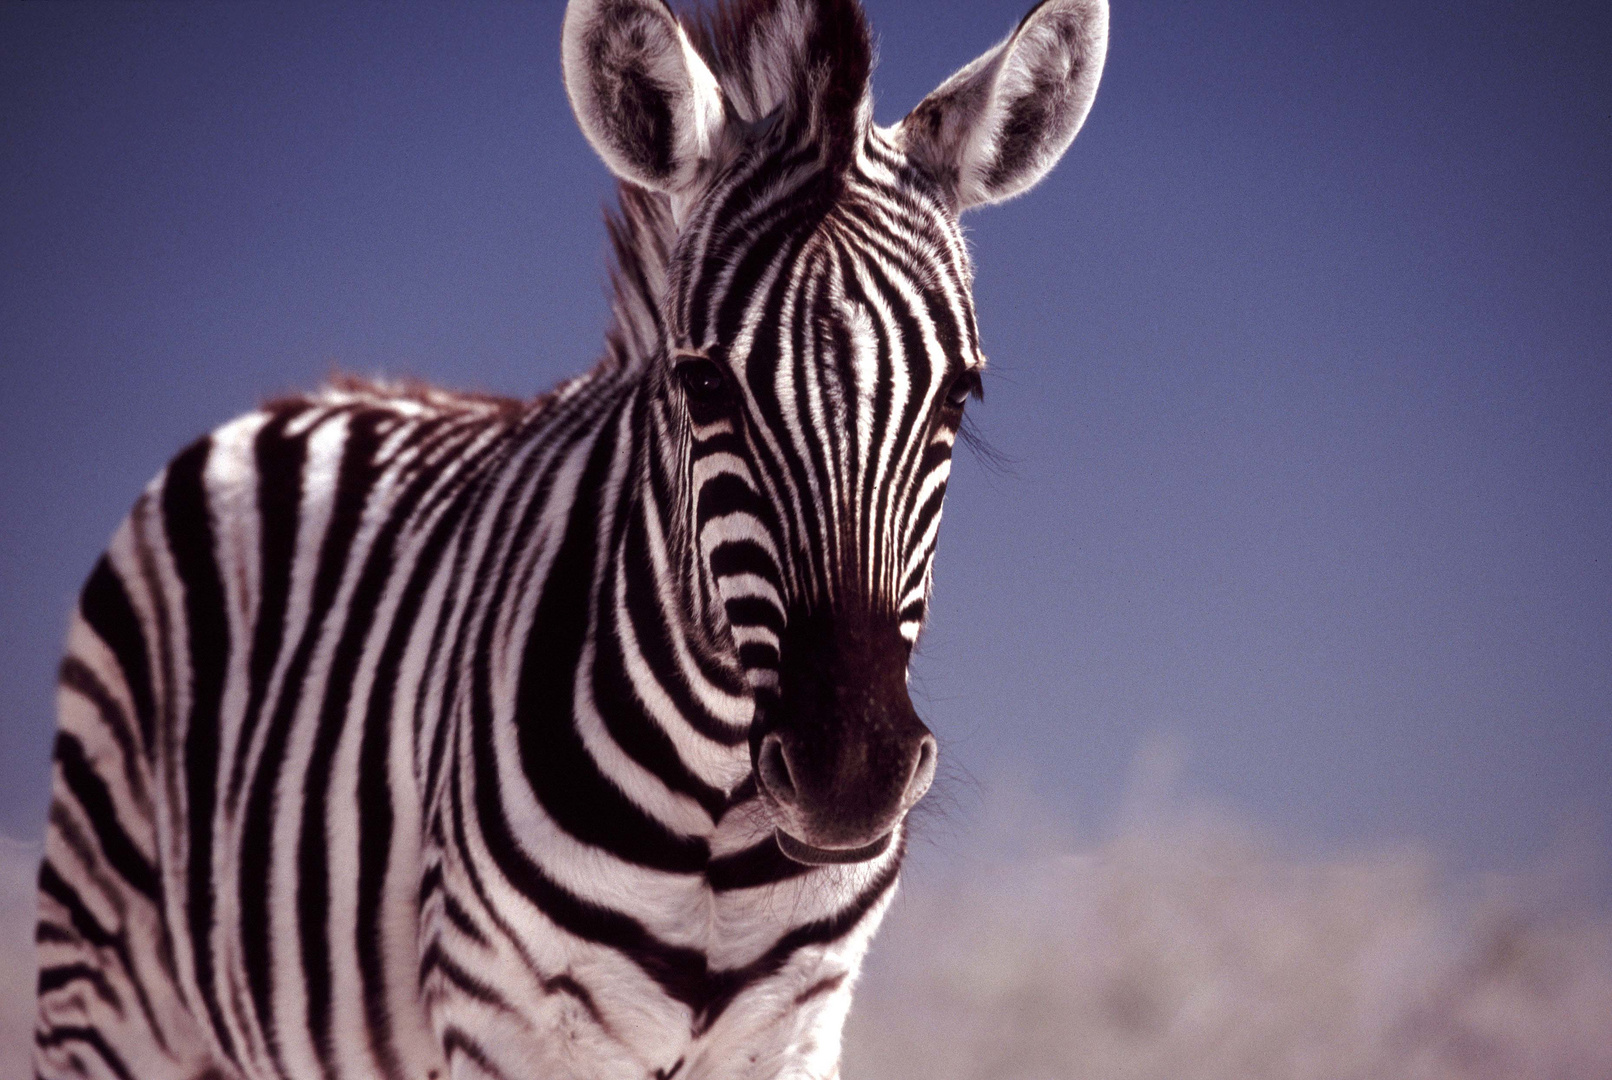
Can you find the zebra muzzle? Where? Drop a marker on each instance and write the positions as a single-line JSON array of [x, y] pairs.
[[848, 814]]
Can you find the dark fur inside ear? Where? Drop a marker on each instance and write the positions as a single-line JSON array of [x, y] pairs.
[[644, 99], [1043, 101], [936, 133], [999, 125], [638, 113]]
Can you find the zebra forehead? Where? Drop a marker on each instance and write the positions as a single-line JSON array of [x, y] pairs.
[[707, 273], [876, 249]]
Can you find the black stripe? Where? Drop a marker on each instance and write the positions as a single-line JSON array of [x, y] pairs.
[[819, 988], [678, 970], [188, 525], [918, 525], [257, 831], [754, 866], [374, 779], [903, 257], [654, 627], [758, 655], [721, 987], [353, 485], [280, 462], [456, 1040], [467, 505], [48, 933], [105, 606], [788, 474], [472, 503], [684, 974], [57, 1036], [430, 884], [900, 426], [55, 976], [92, 794], [759, 190], [85, 924], [744, 557], [627, 719], [755, 611], [562, 774], [821, 431], [725, 494], [564, 983], [437, 962], [77, 676], [461, 920]]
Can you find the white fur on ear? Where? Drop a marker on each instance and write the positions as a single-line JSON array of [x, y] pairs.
[[642, 95], [997, 126]]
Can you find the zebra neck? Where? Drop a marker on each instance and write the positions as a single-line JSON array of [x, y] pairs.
[[660, 609], [663, 710]]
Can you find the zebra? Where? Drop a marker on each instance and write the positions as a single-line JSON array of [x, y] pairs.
[[413, 734]]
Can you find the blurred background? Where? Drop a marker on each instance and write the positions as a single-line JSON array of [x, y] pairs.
[[1273, 668]]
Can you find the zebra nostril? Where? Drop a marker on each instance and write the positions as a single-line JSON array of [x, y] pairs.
[[923, 772], [773, 764]]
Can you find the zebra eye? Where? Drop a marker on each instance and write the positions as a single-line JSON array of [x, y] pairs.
[[963, 387], [702, 380]]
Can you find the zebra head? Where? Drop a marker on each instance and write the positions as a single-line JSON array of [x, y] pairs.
[[814, 346]]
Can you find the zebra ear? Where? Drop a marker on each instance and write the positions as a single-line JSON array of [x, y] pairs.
[[644, 98], [1000, 124]]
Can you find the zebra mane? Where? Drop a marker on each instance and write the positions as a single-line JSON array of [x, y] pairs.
[[805, 62], [641, 236], [809, 58]]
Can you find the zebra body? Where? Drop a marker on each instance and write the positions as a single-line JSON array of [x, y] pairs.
[[412, 734]]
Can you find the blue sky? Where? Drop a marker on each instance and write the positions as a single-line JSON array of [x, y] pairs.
[[1301, 359]]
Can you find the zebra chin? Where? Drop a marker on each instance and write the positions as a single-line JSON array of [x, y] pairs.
[[816, 856]]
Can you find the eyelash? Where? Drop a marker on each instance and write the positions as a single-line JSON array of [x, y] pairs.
[[965, 386]]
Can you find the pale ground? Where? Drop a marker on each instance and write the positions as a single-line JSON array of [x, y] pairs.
[[1188, 948], [1184, 948]]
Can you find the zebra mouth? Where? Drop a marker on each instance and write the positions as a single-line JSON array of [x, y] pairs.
[[816, 856]]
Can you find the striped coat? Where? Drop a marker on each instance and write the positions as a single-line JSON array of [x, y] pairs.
[[413, 734]]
